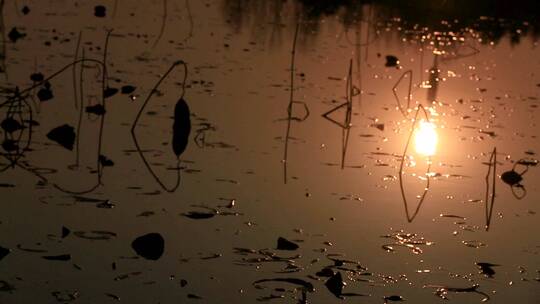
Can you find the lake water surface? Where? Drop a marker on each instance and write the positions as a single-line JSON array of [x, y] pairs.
[[295, 185]]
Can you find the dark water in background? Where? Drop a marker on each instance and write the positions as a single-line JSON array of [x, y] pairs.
[[476, 74]]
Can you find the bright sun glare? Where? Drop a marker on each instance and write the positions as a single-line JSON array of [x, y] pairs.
[[426, 139]]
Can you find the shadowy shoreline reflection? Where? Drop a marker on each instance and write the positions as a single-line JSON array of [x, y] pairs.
[[491, 20]]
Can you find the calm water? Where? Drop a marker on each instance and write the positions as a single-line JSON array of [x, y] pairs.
[[239, 190]]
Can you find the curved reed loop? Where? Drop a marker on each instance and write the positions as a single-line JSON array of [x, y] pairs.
[[136, 121], [410, 217]]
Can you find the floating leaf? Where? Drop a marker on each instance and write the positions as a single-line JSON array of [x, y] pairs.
[[511, 177], [391, 61], [65, 231], [45, 94], [100, 11], [15, 35], [10, 145], [4, 252], [63, 135], [284, 244], [108, 92], [105, 162], [11, 125], [128, 89], [181, 127], [97, 109], [149, 246], [37, 77]]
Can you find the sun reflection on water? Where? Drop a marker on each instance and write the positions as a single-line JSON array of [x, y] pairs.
[[425, 140]]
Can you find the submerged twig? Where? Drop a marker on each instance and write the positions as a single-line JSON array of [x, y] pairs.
[[404, 111], [490, 204], [81, 109], [163, 22], [290, 116], [350, 91], [74, 70], [190, 18], [2, 41]]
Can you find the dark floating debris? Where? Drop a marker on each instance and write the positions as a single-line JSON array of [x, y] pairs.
[[335, 285], [37, 77], [514, 178], [305, 284], [96, 109], [15, 35], [194, 297], [6, 287], [393, 299], [325, 272], [452, 216], [391, 61], [25, 10], [109, 92], [284, 244], [528, 162], [128, 89], [105, 161], [107, 204], [100, 11], [511, 178], [149, 246], [127, 275], [65, 296], [486, 269], [62, 257], [113, 296], [198, 215], [181, 127], [45, 94], [10, 145], [379, 126], [11, 125], [33, 250], [146, 214], [63, 135], [4, 252], [473, 244], [65, 232], [442, 291]]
